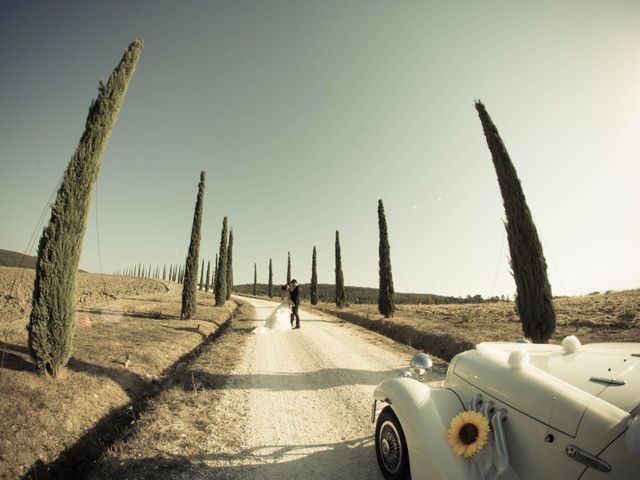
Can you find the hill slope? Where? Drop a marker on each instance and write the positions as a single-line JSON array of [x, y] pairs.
[[15, 259]]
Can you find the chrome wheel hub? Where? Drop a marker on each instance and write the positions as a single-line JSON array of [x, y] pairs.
[[390, 447]]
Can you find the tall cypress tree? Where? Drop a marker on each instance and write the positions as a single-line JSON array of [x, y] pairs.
[[314, 279], [208, 280], [255, 279], [164, 272], [230, 264], [221, 278], [288, 268], [200, 285], [340, 294], [189, 302], [386, 305], [270, 287], [534, 300], [53, 302]]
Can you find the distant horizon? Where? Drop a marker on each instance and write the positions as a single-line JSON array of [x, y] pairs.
[[306, 283], [304, 114]]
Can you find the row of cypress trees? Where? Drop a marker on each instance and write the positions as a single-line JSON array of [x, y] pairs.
[[534, 300], [50, 327], [187, 275], [223, 275], [175, 273], [385, 303]]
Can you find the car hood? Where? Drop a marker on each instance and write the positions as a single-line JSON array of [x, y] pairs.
[[554, 386]]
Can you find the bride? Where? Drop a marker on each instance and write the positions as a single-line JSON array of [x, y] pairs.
[[280, 318]]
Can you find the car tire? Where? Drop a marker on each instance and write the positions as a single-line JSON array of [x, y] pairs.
[[391, 447]]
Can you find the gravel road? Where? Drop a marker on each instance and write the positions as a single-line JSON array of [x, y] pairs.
[[306, 397]]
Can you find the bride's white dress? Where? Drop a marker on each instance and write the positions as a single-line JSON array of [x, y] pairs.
[[280, 318]]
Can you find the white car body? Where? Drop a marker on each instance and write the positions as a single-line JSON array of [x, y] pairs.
[[571, 412]]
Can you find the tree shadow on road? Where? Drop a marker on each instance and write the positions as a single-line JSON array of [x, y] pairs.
[[353, 459], [314, 380]]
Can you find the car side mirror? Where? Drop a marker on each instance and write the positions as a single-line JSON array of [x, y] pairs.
[[420, 364]]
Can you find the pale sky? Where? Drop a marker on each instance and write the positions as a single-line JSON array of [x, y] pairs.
[[304, 113]]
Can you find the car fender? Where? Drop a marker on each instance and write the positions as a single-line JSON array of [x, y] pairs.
[[425, 414]]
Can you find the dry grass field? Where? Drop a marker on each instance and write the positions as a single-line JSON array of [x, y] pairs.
[[445, 330], [43, 420], [49, 427]]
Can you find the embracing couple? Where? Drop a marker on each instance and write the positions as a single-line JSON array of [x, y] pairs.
[[284, 316]]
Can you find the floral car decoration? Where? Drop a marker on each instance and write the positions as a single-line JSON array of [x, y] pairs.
[[514, 411]]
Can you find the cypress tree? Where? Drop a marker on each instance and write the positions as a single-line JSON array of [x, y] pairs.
[[230, 265], [385, 293], [206, 285], [189, 302], [215, 274], [340, 294], [288, 268], [201, 276], [255, 279], [53, 302], [534, 300], [164, 272], [221, 279], [270, 287], [314, 279]]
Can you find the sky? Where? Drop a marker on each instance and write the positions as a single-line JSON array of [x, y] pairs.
[[305, 113]]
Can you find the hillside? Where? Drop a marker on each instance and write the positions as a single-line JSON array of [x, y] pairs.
[[358, 295], [15, 259]]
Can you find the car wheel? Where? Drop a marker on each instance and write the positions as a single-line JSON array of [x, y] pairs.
[[391, 447]]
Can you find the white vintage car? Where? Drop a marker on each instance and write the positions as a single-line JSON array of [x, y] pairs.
[[515, 411]]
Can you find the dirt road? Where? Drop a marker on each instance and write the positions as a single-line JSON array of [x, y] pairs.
[[306, 397], [286, 405]]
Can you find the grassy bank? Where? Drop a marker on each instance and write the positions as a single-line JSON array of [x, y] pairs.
[[446, 330], [128, 340]]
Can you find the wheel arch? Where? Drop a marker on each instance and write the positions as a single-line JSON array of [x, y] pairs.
[[424, 414]]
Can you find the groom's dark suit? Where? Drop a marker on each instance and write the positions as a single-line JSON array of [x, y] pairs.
[[295, 299]]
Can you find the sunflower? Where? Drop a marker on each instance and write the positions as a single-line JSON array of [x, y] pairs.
[[468, 433]]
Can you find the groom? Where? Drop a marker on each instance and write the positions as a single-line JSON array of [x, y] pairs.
[[294, 294]]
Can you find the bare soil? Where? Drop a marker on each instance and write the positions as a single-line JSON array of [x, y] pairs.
[[446, 330], [118, 318], [287, 405]]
